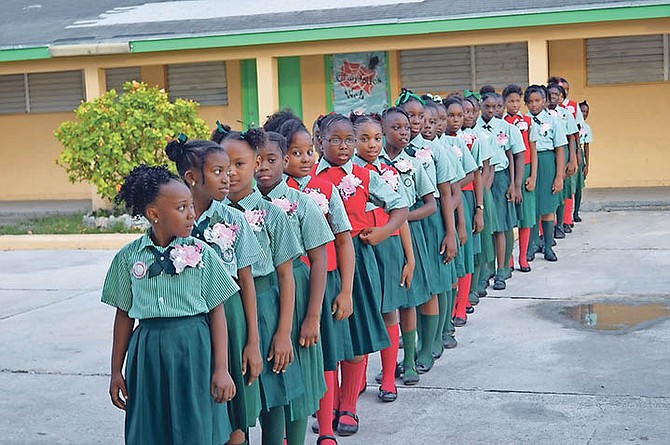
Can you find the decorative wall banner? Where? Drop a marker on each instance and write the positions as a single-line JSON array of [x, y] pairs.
[[360, 82]]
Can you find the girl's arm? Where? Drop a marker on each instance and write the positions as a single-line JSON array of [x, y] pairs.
[[376, 235], [489, 179], [478, 221], [460, 224], [281, 350], [455, 195], [343, 304], [511, 194], [467, 180], [428, 208], [571, 168], [448, 247], [123, 327], [252, 362], [518, 176], [530, 181], [408, 268], [318, 268], [560, 168], [587, 146], [222, 386]]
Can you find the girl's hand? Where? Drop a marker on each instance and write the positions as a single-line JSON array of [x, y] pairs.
[[448, 248], [518, 197], [372, 236], [530, 183], [252, 362], [118, 385], [462, 235], [478, 222], [407, 275], [586, 170], [309, 331], [510, 193], [571, 168], [223, 387], [343, 306], [557, 186], [281, 351]]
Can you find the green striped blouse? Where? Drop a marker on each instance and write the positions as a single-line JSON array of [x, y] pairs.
[[337, 214], [195, 290]]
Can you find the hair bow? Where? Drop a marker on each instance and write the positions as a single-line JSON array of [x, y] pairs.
[[435, 97], [221, 129], [406, 96], [182, 138], [468, 93]]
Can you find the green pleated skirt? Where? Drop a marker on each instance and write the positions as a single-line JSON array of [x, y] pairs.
[[390, 261], [504, 209], [546, 201], [490, 219], [168, 377], [276, 389], [441, 276], [418, 292], [309, 359], [526, 211], [368, 331], [336, 342], [243, 410]]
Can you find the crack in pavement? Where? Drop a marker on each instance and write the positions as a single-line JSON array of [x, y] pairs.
[[32, 309]]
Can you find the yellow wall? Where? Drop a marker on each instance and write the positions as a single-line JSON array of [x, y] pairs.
[[626, 150], [313, 74]]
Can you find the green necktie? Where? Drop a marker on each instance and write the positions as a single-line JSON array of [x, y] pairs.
[[163, 262]]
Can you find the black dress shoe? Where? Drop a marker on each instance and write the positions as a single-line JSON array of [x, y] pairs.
[[481, 293], [549, 255], [576, 218], [499, 284], [558, 233], [469, 310], [387, 396], [473, 298], [567, 228], [524, 269], [345, 429], [459, 322], [449, 342], [530, 257]]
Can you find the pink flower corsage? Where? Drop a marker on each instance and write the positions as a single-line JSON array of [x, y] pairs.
[[404, 166], [522, 125], [468, 138], [424, 155], [571, 109], [502, 138], [545, 127], [222, 234], [287, 206], [458, 151], [188, 255], [139, 270], [582, 132], [348, 186], [391, 179], [319, 197], [256, 219]]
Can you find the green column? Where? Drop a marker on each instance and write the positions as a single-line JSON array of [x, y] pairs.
[[249, 87], [290, 84]]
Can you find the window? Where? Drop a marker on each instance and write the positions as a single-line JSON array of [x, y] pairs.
[[116, 77], [451, 69], [41, 92], [204, 83], [629, 59]]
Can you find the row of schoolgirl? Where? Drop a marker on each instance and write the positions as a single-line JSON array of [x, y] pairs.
[[267, 277]]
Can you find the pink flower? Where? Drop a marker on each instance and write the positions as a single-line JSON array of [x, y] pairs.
[[320, 199], [502, 138], [424, 155], [221, 234], [184, 256], [139, 270], [391, 179], [545, 127], [571, 109], [287, 206], [582, 131], [256, 219], [522, 125], [348, 186], [456, 149], [404, 166], [468, 138]]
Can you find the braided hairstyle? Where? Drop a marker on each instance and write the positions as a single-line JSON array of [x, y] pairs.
[[290, 128], [360, 119], [538, 89], [512, 89], [142, 186], [191, 155], [279, 140], [276, 120], [331, 119], [255, 137]]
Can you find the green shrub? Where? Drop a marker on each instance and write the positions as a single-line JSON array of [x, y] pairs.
[[114, 133]]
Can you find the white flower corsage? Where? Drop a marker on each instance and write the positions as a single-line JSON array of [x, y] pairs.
[[545, 127], [222, 234], [522, 125], [348, 186], [187, 255], [424, 155], [319, 197], [404, 166], [468, 138], [139, 270], [571, 109], [287, 206], [390, 177], [502, 138], [256, 219], [458, 151], [553, 113]]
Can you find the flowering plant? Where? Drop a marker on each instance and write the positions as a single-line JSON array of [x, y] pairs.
[[424, 155], [256, 219], [222, 234], [287, 206], [502, 138], [319, 197], [522, 125], [468, 138], [404, 166], [391, 178], [186, 255], [348, 186]]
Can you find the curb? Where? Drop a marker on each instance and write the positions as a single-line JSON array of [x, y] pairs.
[[106, 241]]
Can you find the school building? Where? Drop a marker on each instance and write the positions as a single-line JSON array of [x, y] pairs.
[[244, 62]]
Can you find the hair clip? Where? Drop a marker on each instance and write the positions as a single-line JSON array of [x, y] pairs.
[[221, 129], [468, 93], [182, 138], [406, 96]]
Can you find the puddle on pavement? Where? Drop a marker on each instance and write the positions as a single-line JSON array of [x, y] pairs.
[[615, 317]]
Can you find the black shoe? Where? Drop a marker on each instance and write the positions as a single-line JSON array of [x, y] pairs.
[[499, 284], [553, 244], [567, 228], [576, 218], [481, 293], [470, 310], [449, 341], [336, 419], [422, 369], [322, 438], [438, 355], [473, 298], [460, 322], [387, 396], [530, 255], [524, 269], [344, 429], [558, 233], [549, 255]]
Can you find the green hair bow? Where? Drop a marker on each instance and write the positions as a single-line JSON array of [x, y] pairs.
[[406, 96], [468, 93], [182, 138], [221, 129]]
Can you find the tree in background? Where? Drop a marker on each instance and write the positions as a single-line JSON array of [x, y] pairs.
[[114, 133]]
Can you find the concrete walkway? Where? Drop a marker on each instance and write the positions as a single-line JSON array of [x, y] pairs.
[[522, 374]]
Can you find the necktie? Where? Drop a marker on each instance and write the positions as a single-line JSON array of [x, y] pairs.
[[163, 262], [487, 127]]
